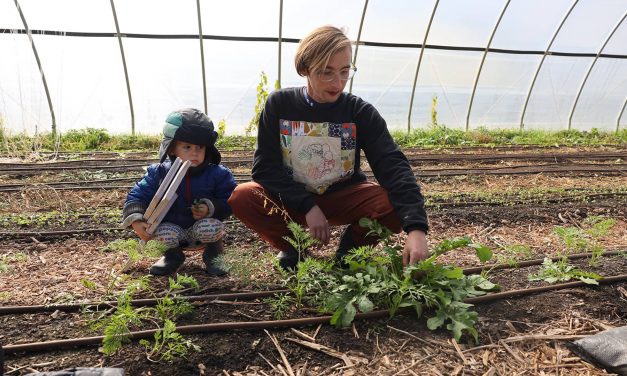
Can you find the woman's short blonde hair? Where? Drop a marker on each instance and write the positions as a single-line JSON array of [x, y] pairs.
[[315, 50]]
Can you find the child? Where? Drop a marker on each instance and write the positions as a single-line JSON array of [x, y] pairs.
[[197, 214]]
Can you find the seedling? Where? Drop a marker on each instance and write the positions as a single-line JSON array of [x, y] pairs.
[[5, 296], [4, 264], [280, 304], [561, 271], [511, 254], [117, 326], [587, 239]]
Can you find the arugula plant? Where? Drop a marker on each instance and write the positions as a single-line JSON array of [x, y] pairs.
[[377, 279]]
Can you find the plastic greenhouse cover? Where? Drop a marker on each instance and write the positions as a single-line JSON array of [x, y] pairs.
[[84, 72]]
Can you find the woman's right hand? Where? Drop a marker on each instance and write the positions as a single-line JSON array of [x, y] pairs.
[[318, 225], [141, 229]]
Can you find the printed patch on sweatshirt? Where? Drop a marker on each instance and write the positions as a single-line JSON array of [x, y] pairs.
[[318, 154]]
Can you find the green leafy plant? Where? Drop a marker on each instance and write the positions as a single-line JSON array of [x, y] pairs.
[[169, 344], [280, 305], [117, 324], [5, 296], [300, 239], [262, 96], [221, 128], [587, 238], [4, 264], [133, 251], [561, 271], [510, 254], [376, 279]]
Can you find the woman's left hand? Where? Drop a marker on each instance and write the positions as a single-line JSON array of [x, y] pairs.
[[416, 247]]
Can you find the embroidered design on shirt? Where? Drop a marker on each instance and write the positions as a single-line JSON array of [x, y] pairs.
[[318, 154]]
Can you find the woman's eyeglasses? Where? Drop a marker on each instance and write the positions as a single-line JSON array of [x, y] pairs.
[[343, 75]]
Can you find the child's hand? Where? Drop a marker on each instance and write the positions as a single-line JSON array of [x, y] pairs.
[[199, 211], [141, 229]]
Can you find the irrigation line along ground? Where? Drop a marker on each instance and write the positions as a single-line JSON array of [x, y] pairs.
[[248, 325], [420, 157], [435, 205], [253, 294], [547, 167]]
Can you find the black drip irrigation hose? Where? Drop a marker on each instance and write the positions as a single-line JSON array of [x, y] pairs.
[[207, 328], [135, 303], [522, 264], [253, 294]]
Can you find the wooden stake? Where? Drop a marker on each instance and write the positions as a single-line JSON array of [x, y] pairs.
[[163, 187]]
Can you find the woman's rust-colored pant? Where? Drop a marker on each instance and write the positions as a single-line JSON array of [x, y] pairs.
[[342, 207]]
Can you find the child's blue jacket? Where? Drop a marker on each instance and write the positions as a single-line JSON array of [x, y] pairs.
[[214, 183]]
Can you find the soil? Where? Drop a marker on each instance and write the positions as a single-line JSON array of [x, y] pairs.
[[517, 336]]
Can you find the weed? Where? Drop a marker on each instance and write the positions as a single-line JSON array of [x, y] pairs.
[[243, 267], [435, 136], [587, 238], [280, 305], [169, 344], [5, 296], [134, 251], [118, 324], [20, 257], [560, 271], [4, 264], [512, 253], [262, 96]]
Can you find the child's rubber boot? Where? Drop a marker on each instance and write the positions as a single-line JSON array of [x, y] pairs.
[[172, 259], [210, 256], [346, 244]]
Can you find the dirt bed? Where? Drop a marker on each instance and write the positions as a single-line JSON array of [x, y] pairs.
[[517, 336]]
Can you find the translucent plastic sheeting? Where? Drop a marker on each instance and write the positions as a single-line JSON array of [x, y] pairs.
[[157, 16], [530, 24], [232, 84], [618, 44], [9, 17], [161, 83], [464, 23], [502, 89], [384, 78], [406, 25], [554, 92], [86, 85], [302, 16], [23, 105], [603, 96], [449, 76], [67, 15], [240, 17], [588, 25]]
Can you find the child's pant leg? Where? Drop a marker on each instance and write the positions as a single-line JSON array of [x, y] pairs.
[[206, 230], [170, 234]]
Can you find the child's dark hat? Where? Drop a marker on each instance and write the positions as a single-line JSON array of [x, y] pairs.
[[192, 126]]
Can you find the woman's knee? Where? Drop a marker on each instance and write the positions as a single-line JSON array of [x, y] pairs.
[[243, 195], [247, 200]]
